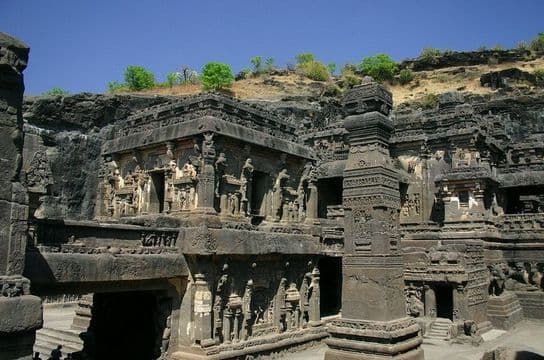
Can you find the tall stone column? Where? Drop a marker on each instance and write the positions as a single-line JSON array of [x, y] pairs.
[[311, 204], [20, 312], [206, 178], [374, 323], [203, 312]]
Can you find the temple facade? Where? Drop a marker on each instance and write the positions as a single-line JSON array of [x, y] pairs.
[[221, 230]]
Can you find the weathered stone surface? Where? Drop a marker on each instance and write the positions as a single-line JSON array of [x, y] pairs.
[[20, 312]]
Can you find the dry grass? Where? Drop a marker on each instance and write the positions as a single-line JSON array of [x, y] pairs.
[[262, 87], [275, 87], [453, 78]]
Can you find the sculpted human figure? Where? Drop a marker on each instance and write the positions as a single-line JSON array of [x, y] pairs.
[[220, 165], [245, 182], [278, 194]]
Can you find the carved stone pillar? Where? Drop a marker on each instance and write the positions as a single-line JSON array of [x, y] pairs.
[[20, 312], [203, 311], [430, 302], [206, 177], [460, 305], [374, 324], [311, 204], [227, 325]]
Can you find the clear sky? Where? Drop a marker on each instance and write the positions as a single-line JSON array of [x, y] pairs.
[[82, 45]]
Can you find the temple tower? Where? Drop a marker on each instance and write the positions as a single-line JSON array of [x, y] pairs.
[[374, 324], [20, 312]]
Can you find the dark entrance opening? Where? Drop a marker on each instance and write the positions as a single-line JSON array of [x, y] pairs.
[[156, 200], [329, 194], [330, 269], [444, 301], [258, 191], [123, 326]]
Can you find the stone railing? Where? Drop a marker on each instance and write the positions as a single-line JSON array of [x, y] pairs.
[[514, 222]]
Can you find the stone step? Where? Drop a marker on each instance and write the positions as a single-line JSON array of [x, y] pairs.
[[442, 321], [437, 333], [48, 339], [60, 335], [45, 348]]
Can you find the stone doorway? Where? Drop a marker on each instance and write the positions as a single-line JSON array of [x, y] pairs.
[[444, 301], [124, 326], [330, 269], [329, 194], [156, 200], [259, 186]]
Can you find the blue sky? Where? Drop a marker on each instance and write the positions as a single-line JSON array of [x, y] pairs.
[[82, 45]]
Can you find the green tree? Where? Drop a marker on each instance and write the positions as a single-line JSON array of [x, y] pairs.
[[304, 58], [257, 63], [55, 92], [138, 78], [269, 64], [216, 76], [331, 67], [381, 67], [173, 78], [538, 43]]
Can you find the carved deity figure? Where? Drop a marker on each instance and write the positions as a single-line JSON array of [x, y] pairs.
[[414, 305], [497, 279], [220, 165], [245, 186], [496, 209], [277, 190], [218, 306], [208, 148]]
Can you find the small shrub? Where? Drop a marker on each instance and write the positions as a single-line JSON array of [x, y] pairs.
[[522, 46], [257, 63], [539, 73], [216, 76], [188, 75], [348, 78], [405, 76], [331, 67], [115, 86], [173, 78], [269, 64], [56, 91], [497, 47], [138, 78], [244, 74], [430, 55], [381, 67], [429, 101], [304, 58], [332, 90], [537, 44], [314, 70]]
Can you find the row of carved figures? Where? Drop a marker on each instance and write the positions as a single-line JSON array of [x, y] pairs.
[[131, 194], [517, 276], [237, 317]]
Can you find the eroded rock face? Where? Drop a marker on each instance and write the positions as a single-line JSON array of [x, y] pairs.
[[20, 312]]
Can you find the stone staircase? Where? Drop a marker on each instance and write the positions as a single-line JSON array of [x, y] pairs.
[[439, 330], [48, 339]]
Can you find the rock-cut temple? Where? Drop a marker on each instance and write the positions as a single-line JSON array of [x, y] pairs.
[[206, 227]]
